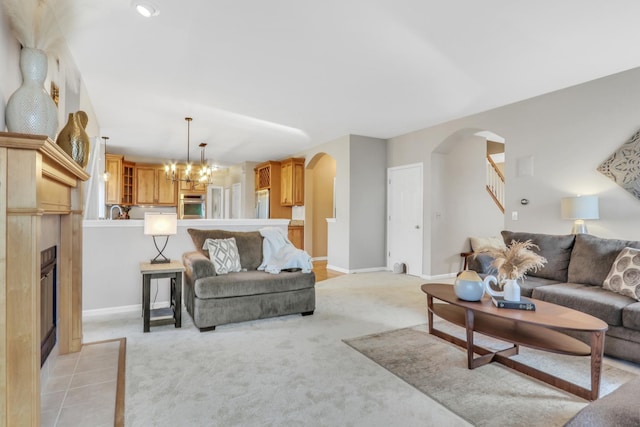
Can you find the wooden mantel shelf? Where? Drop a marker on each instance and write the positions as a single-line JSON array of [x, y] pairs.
[[36, 178]]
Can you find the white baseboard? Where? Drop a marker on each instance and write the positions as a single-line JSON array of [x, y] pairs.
[[357, 270], [440, 276], [319, 258]]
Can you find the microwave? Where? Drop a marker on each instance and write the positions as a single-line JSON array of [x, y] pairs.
[[192, 206]]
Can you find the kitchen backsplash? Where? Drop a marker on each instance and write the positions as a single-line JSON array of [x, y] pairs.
[[297, 212]]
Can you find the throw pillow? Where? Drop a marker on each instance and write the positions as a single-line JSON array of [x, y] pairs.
[[224, 255], [478, 244], [624, 276]]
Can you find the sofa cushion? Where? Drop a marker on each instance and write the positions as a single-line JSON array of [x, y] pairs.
[[619, 408], [593, 256], [555, 248], [631, 316], [224, 255], [249, 244], [598, 302], [251, 283], [624, 276], [529, 283], [481, 263], [478, 244]]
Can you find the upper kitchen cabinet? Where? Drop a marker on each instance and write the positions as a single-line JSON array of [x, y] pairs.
[[128, 183], [152, 187], [267, 175], [292, 182], [113, 166]]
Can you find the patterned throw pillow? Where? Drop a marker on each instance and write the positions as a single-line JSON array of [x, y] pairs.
[[624, 276], [224, 255]]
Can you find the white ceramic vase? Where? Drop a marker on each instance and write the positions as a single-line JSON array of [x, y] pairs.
[[511, 290], [30, 109]]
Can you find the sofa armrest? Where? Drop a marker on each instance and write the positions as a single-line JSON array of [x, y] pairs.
[[197, 266]]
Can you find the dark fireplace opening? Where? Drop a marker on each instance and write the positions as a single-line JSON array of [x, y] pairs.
[[48, 279]]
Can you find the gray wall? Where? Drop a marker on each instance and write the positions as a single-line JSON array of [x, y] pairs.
[[367, 199], [567, 133]]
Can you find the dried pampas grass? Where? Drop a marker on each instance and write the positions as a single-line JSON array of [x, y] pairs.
[[515, 260], [38, 24]]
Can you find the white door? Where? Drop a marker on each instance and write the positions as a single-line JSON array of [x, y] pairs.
[[404, 207]]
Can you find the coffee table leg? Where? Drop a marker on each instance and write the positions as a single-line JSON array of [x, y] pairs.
[[429, 313], [468, 323], [597, 349]]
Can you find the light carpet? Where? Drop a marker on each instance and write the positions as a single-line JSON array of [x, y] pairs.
[[290, 370], [491, 395]]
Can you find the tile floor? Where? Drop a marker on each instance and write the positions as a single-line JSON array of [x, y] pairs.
[[81, 388]]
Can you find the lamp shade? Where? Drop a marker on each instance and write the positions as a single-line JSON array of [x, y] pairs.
[[160, 224], [580, 207]]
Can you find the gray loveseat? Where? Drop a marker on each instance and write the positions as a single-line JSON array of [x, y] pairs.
[[213, 300], [573, 276]]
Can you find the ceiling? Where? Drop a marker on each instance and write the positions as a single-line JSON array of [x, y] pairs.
[[264, 79]]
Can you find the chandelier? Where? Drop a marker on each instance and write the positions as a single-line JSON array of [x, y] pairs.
[[177, 173]]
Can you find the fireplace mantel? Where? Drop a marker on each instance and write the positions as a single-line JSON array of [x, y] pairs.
[[36, 178]]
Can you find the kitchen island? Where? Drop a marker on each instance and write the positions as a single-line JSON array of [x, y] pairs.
[[113, 250]]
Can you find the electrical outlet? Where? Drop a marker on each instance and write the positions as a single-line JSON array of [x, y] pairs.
[[514, 215]]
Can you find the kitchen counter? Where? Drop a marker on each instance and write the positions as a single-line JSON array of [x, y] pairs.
[[249, 223]]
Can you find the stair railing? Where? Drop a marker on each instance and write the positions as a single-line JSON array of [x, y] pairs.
[[495, 183]]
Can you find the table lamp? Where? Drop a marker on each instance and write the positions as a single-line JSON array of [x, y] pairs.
[[160, 224], [578, 209]]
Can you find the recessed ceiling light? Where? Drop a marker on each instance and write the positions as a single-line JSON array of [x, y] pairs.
[[146, 8]]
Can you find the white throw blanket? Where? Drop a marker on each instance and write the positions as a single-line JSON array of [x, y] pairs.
[[279, 253]]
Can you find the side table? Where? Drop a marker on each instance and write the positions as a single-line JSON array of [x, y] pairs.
[[162, 316]]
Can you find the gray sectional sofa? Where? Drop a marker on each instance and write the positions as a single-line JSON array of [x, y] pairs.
[[573, 276], [250, 294]]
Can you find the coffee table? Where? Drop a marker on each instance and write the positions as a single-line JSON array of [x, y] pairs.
[[540, 329]]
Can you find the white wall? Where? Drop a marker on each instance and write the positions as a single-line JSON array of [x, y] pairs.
[[568, 133], [10, 78]]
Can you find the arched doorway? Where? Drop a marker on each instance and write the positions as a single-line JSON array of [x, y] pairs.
[[461, 206], [319, 203]]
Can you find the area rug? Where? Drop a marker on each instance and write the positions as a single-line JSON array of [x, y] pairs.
[[492, 395]]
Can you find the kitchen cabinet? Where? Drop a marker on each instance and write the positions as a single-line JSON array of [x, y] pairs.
[[113, 186], [267, 177], [292, 182], [128, 183], [296, 236], [152, 187]]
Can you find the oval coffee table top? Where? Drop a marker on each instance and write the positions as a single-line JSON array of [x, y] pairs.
[[546, 314]]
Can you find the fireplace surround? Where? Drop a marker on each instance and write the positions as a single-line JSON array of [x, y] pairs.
[[36, 178]]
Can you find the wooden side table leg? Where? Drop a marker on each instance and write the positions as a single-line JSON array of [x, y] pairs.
[[597, 349], [146, 295]]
